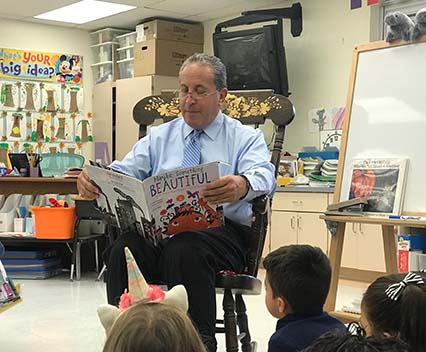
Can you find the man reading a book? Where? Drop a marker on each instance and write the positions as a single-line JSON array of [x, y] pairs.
[[204, 134]]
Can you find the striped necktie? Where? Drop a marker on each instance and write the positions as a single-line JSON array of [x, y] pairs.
[[192, 152]]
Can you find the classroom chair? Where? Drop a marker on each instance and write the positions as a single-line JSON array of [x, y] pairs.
[[56, 164], [86, 210]]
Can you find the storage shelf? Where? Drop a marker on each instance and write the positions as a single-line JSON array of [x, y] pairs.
[[103, 44], [102, 63], [125, 47]]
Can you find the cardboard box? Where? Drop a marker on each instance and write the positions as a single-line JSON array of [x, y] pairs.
[[410, 252], [168, 30], [162, 57]]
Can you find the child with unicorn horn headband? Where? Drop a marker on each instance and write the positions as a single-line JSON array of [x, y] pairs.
[[139, 290]]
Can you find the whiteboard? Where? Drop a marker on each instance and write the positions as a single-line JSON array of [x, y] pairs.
[[386, 116]]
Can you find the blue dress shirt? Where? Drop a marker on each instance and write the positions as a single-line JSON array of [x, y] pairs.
[[241, 147]]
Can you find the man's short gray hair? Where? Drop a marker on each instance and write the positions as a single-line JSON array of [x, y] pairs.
[[219, 69]]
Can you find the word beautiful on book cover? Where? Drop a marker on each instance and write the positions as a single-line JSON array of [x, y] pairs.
[[381, 181], [161, 205]]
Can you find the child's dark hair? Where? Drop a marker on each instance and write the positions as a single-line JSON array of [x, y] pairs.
[[153, 327], [341, 341], [301, 275], [404, 316]]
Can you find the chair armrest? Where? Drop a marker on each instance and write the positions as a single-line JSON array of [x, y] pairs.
[[260, 204]]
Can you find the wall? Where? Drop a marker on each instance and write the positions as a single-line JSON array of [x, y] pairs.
[[318, 61], [34, 36]]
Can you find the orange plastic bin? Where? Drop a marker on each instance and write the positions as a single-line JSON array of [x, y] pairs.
[[54, 223]]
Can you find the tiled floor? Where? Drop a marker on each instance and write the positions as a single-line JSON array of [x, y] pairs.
[[59, 315]]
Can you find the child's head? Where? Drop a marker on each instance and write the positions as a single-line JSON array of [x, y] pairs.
[[297, 280], [395, 305], [153, 327], [341, 341]]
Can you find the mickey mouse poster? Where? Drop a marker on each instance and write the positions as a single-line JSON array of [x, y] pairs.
[[68, 69]]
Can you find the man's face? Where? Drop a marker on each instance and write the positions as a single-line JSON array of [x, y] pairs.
[[198, 81], [274, 304]]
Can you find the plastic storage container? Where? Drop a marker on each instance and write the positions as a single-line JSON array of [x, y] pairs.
[[54, 223], [106, 35], [125, 52], [104, 52], [128, 39], [102, 72], [126, 68]]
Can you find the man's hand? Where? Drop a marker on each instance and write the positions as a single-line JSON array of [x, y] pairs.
[[226, 189], [85, 187]]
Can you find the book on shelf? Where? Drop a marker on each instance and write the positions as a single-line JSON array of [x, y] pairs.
[[381, 181], [161, 205]]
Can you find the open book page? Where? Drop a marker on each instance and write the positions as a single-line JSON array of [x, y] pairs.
[[382, 182], [161, 205], [122, 196], [175, 202]]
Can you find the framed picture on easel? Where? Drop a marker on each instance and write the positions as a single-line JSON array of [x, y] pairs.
[[381, 181]]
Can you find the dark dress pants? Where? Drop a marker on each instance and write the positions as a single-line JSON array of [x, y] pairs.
[[191, 259]]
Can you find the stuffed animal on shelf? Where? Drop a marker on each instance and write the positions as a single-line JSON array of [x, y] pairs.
[[420, 24], [140, 290], [400, 26]]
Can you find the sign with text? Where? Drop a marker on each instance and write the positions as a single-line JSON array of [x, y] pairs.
[[41, 66]]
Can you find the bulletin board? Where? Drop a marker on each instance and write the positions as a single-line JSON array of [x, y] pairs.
[[386, 115], [42, 102]]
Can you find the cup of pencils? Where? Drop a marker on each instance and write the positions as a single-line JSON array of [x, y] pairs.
[[34, 162]]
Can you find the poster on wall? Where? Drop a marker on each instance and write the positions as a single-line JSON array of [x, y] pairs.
[[323, 119], [41, 66], [42, 103]]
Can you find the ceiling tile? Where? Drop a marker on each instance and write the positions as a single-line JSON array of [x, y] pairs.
[[190, 7], [47, 22], [233, 10], [195, 10], [128, 20]]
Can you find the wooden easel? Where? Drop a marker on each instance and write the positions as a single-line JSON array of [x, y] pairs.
[[377, 125], [336, 249]]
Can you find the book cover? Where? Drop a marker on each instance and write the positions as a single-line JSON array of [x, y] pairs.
[[161, 205], [382, 182]]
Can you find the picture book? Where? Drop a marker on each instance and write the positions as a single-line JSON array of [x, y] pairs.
[[382, 182], [161, 205], [9, 293]]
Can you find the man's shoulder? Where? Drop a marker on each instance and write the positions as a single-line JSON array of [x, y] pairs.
[[235, 123], [166, 126]]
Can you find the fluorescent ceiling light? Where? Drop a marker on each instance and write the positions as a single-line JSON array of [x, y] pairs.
[[84, 11]]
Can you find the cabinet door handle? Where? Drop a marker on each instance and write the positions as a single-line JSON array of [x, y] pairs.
[[360, 229], [299, 222], [297, 202], [292, 222], [353, 228]]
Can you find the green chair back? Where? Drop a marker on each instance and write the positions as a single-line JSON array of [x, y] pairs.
[[56, 164]]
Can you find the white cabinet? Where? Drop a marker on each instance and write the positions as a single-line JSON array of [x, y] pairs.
[[128, 93], [113, 118], [295, 219], [363, 248], [102, 122]]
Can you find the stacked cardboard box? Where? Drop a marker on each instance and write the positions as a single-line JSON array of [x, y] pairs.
[[162, 46]]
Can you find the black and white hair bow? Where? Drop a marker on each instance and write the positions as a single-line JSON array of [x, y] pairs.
[[394, 291]]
